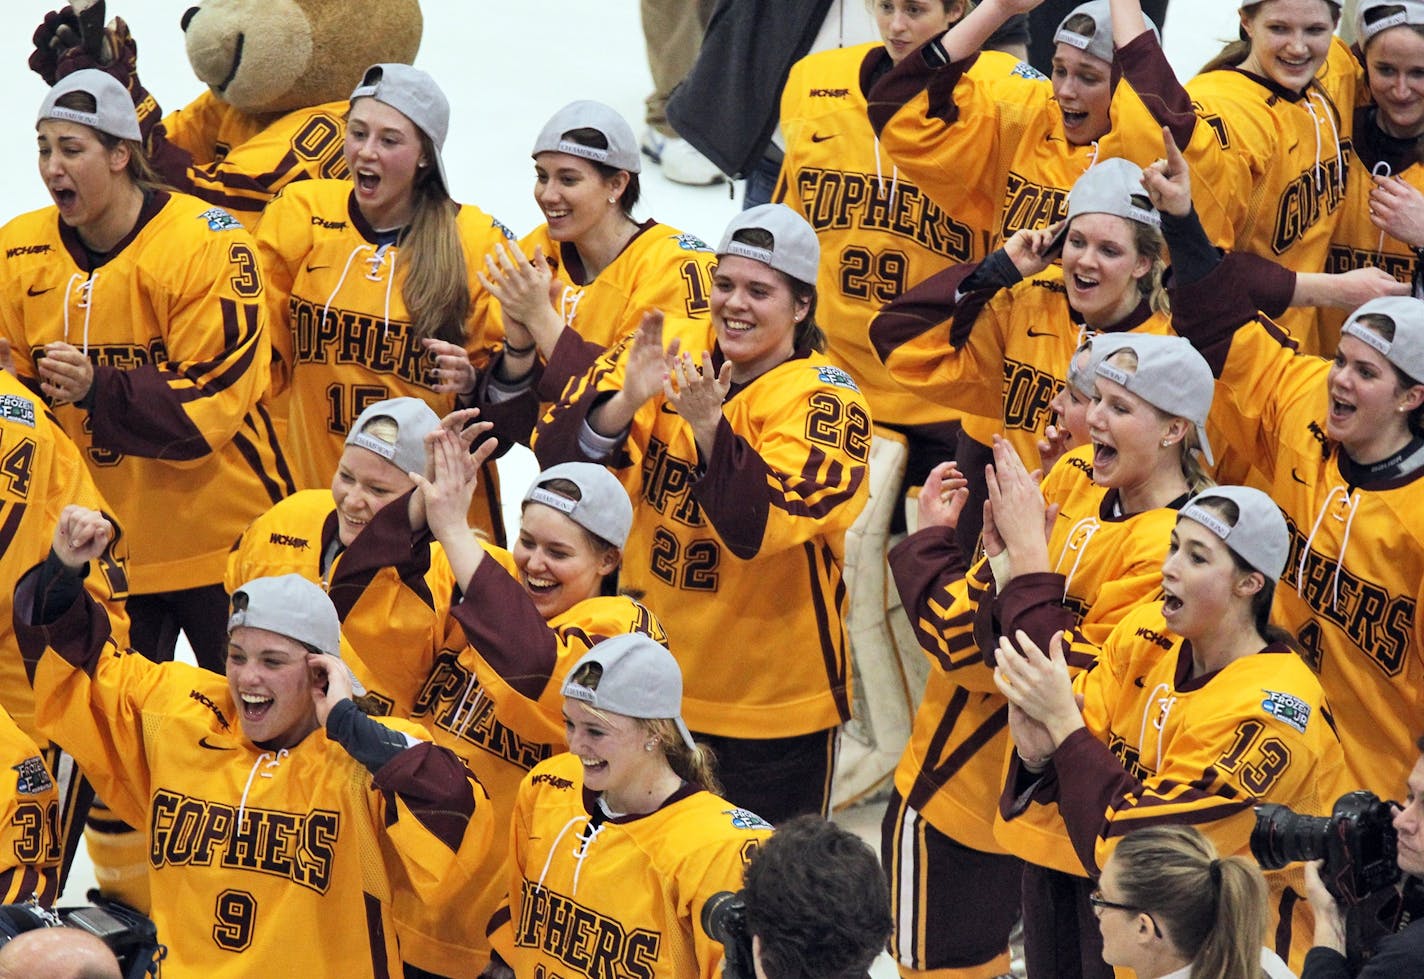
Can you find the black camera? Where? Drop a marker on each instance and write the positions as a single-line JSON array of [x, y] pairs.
[[1357, 843], [724, 917], [130, 935]]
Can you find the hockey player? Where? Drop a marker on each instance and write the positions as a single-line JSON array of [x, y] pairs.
[[280, 818], [365, 275], [623, 832], [1197, 710], [745, 453], [138, 314]]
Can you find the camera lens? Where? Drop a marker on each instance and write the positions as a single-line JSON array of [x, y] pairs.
[[1282, 837]]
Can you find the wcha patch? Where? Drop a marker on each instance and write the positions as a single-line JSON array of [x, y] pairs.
[[836, 376], [219, 220], [691, 243], [1287, 707], [14, 408], [32, 777], [746, 819]]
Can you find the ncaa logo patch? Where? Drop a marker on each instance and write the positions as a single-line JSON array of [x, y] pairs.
[[691, 243], [219, 220], [502, 228], [834, 375], [1287, 707], [1025, 70], [744, 819], [31, 776], [14, 408]]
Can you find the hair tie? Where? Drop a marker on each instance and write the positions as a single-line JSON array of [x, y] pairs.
[[1215, 869]]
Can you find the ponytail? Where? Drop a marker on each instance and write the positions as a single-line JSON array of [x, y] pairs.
[[1211, 909], [697, 765]]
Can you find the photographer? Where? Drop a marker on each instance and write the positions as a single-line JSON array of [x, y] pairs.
[[57, 953], [1399, 954], [817, 905]]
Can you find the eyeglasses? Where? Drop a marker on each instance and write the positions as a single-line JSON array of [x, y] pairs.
[[1101, 904]]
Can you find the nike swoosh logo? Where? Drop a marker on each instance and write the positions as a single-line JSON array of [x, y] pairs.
[[1050, 138], [203, 743], [818, 138], [1295, 476], [313, 268], [1040, 333], [32, 291], [668, 409]]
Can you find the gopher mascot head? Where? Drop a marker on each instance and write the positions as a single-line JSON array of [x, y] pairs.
[[271, 56]]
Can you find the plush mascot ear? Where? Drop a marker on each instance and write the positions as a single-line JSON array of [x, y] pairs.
[[268, 56]]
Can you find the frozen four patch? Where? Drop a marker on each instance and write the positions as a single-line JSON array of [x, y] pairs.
[[31, 776], [691, 243], [746, 819], [836, 376], [14, 408], [219, 220], [1287, 707]]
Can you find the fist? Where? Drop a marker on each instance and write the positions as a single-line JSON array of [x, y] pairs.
[[57, 33]]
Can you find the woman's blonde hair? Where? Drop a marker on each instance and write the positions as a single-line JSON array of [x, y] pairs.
[[1212, 909], [437, 285]]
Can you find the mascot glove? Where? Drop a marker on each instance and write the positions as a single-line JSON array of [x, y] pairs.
[[123, 66], [57, 33]]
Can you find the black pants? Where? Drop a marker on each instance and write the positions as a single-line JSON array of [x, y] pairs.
[[1061, 936], [776, 778], [201, 613]]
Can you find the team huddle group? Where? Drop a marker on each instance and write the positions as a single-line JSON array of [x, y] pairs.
[[1148, 352]]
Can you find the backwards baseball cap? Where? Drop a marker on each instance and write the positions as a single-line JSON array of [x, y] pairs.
[[113, 109], [603, 507], [794, 248], [1099, 40], [414, 420], [414, 94], [622, 151], [1244, 4], [1406, 350], [1113, 186], [639, 678], [1259, 536], [1171, 376], [291, 606], [1083, 371], [1409, 13]]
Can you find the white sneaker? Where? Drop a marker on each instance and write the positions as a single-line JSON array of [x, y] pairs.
[[679, 159]]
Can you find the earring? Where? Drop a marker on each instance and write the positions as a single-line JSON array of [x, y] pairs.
[[648, 745], [613, 200], [1166, 442]]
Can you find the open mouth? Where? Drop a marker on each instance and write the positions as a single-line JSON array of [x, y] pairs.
[[64, 199], [1171, 604], [1071, 119], [592, 766], [737, 327], [255, 707], [367, 181], [540, 586], [1083, 283], [1340, 410], [1103, 454]]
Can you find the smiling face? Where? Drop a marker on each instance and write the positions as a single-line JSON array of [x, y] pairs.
[[1071, 406], [558, 564], [1289, 40], [385, 155], [271, 684], [1127, 435], [613, 749], [574, 196], [1102, 267], [1082, 84], [755, 314], [83, 176], [904, 25], [364, 484], [1366, 399], [1395, 60]]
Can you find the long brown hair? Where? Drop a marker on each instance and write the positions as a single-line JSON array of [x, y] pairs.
[[436, 289]]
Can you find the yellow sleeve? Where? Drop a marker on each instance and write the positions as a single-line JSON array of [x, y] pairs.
[[30, 845]]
